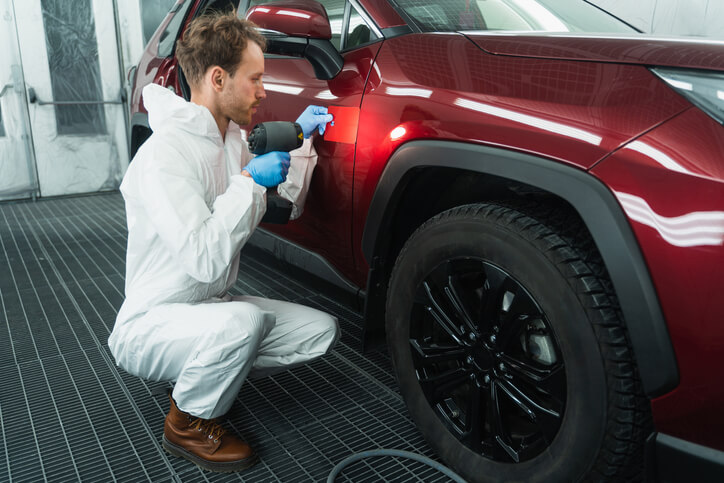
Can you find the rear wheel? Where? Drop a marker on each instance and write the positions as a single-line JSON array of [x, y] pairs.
[[510, 350]]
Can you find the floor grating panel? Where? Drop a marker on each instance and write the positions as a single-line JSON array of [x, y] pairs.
[[67, 413]]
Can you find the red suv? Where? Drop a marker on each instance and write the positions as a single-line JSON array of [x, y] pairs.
[[529, 198]]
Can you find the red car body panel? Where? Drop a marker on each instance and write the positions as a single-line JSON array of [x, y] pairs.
[[670, 183], [328, 209], [443, 87], [156, 71], [649, 51]]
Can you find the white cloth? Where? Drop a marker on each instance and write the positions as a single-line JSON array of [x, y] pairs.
[[296, 186], [189, 212]]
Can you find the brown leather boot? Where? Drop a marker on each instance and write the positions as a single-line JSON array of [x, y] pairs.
[[205, 442]]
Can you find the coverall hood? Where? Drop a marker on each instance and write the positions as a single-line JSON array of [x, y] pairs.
[[166, 110]]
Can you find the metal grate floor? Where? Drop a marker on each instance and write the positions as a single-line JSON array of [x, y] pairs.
[[67, 413]]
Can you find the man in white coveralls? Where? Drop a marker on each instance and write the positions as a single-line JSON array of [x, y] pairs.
[[194, 194]]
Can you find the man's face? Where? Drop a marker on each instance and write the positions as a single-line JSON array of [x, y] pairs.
[[244, 90]]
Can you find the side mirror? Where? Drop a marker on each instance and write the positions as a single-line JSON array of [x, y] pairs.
[[300, 29]]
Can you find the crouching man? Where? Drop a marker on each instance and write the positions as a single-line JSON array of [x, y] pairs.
[[194, 194]]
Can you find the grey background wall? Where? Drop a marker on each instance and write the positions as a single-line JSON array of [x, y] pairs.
[[699, 18]]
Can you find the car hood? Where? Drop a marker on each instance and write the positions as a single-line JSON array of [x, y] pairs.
[[644, 49]]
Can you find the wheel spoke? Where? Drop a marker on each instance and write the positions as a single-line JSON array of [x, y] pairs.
[[449, 411], [550, 380], [526, 403], [493, 298], [546, 419], [524, 369], [473, 422], [438, 386], [510, 329], [521, 303], [520, 307], [490, 307], [497, 426], [439, 315], [554, 383], [427, 354], [457, 304]]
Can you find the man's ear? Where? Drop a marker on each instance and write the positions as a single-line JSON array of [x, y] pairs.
[[216, 77]]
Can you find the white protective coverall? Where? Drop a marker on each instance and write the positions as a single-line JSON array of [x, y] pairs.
[[189, 213]]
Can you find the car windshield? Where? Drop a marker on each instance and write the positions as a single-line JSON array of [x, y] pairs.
[[512, 15]]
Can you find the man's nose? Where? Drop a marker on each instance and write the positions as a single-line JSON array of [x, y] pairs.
[[261, 93]]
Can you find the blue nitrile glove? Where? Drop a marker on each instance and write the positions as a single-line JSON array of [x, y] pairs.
[[269, 169], [312, 118]]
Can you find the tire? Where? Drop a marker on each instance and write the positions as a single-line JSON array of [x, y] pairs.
[[510, 351]]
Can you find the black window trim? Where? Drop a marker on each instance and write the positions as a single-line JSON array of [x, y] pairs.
[[175, 9], [367, 19], [345, 26]]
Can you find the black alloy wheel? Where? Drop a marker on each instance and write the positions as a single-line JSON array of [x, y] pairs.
[[510, 350], [487, 360]]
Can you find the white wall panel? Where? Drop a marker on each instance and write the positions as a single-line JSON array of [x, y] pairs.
[[638, 14], [714, 24], [68, 49], [681, 18], [699, 18], [131, 34], [17, 164]]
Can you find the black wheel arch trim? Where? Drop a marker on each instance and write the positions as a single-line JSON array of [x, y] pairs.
[[140, 119], [138, 136], [596, 205], [670, 459]]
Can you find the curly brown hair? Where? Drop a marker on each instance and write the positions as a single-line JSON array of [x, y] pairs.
[[215, 39]]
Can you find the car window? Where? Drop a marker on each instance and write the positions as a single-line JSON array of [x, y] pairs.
[[222, 6], [152, 14], [167, 41], [335, 12], [511, 15], [358, 32]]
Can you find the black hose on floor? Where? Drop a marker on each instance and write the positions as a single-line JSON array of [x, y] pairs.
[[393, 452]]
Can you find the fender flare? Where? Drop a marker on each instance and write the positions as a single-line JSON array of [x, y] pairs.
[[596, 205], [138, 119]]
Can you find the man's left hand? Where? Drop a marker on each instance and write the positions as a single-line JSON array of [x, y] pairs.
[[314, 117]]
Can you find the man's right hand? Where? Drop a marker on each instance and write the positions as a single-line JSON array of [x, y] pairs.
[[269, 169]]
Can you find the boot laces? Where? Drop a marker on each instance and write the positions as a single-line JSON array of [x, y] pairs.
[[208, 426]]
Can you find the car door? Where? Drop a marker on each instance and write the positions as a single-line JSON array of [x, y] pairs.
[[290, 84]]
